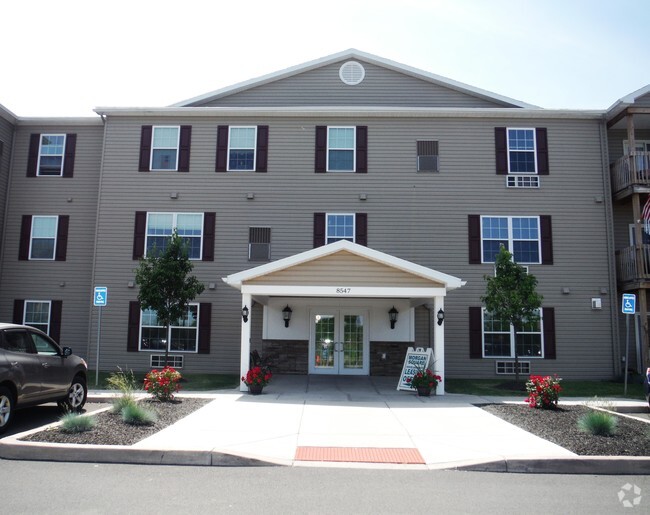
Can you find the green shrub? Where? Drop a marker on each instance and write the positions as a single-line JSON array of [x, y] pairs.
[[76, 423], [122, 402], [598, 423], [136, 415]]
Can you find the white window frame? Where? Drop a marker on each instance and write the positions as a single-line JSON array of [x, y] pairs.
[[533, 151], [512, 339], [36, 324], [174, 225], [230, 147], [640, 145], [40, 154], [354, 227], [31, 238], [153, 147], [169, 333], [353, 149], [511, 238]]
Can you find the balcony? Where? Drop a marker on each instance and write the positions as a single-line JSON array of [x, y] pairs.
[[631, 273], [631, 174]]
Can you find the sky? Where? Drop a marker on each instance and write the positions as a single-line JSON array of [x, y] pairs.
[[66, 58]]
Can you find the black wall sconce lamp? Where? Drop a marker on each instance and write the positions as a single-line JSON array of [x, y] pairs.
[[244, 313], [392, 316], [440, 316], [286, 315]]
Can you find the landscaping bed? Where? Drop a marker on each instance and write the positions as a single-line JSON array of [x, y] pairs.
[[560, 426]]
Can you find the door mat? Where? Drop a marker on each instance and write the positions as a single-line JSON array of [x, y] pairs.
[[360, 455]]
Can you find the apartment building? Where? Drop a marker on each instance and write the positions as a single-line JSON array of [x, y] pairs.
[[338, 212]]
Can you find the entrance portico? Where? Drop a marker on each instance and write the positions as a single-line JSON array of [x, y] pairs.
[[340, 296]]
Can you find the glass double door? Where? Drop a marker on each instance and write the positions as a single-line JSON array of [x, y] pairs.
[[338, 342]]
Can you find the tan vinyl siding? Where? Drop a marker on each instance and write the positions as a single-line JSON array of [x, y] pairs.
[[323, 87], [344, 269], [6, 141], [418, 217], [69, 280]]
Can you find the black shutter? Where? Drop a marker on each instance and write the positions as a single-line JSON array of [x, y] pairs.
[[56, 310], [222, 148], [321, 149], [501, 147], [474, 235], [205, 318], [185, 143], [62, 238], [547, 239], [68, 159], [319, 229], [32, 160], [139, 234], [145, 148], [133, 334], [25, 236], [542, 151], [262, 153], [548, 323], [475, 332], [208, 236], [361, 229], [19, 310], [362, 149]]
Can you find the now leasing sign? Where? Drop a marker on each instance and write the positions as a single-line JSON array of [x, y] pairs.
[[416, 359]]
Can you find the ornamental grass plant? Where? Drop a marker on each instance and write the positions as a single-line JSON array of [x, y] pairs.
[[76, 423], [136, 415], [598, 423]]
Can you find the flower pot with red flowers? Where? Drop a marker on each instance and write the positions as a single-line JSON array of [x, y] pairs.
[[256, 379], [425, 382]]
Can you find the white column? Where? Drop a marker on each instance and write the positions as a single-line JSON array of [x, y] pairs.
[[439, 343], [247, 301]]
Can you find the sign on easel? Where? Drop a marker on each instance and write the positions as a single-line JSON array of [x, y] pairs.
[[416, 359]]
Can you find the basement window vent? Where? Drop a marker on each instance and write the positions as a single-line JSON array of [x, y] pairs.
[[158, 361], [522, 181], [352, 73], [508, 367]]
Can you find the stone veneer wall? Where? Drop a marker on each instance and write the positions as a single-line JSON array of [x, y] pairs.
[[395, 354]]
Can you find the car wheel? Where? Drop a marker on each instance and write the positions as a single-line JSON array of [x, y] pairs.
[[77, 394], [6, 408]]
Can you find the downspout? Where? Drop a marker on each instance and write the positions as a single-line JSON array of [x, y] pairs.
[[609, 238]]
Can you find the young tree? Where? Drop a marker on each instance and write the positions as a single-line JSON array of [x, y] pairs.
[[510, 296], [166, 285]]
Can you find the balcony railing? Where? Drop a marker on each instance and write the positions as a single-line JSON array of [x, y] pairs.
[[629, 268], [631, 170]]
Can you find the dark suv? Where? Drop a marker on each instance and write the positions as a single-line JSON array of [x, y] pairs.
[[34, 369]]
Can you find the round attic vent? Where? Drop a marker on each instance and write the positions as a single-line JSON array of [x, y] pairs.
[[352, 73]]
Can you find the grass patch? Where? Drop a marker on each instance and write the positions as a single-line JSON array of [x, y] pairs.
[[598, 423], [76, 423], [493, 387], [189, 383], [136, 415]]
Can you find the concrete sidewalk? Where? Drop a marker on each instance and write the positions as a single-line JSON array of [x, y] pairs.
[[341, 421]]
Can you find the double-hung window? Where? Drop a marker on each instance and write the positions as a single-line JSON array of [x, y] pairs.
[[499, 338], [340, 227], [189, 226], [37, 314], [341, 146], [242, 142], [181, 336], [164, 148], [51, 154], [43, 237], [521, 151], [519, 235]]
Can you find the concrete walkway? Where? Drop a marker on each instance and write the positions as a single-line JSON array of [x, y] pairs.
[[341, 421]]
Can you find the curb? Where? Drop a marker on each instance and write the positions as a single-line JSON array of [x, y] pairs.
[[601, 465]]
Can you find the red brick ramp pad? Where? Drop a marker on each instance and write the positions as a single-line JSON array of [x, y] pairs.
[[402, 456]]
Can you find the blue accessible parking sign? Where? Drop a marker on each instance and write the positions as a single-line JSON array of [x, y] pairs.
[[629, 304], [100, 297]]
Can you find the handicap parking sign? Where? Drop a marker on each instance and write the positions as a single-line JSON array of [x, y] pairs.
[[100, 297], [629, 304]]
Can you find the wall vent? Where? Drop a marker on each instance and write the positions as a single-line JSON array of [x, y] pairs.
[[352, 73]]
